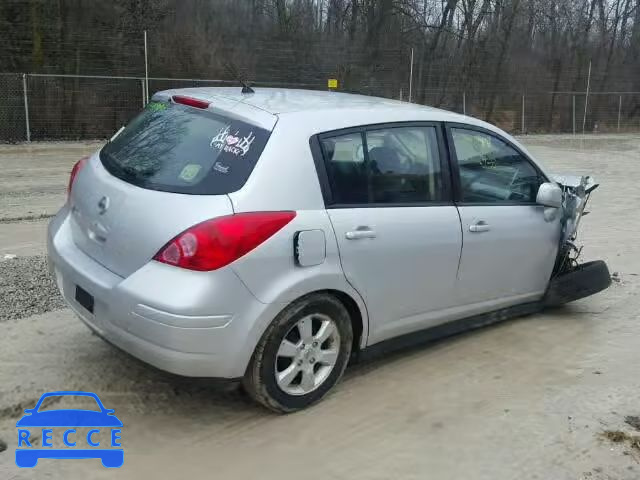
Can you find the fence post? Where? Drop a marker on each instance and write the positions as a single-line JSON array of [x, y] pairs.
[[619, 112], [574, 114], [144, 93], [586, 100], [523, 126], [411, 77], [146, 69], [464, 103], [26, 106]]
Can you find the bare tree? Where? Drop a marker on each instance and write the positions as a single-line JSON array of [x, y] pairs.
[[491, 50]]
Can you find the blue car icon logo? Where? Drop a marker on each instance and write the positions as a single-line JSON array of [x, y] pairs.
[[98, 422]]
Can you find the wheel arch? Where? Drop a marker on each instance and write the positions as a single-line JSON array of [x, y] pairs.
[[352, 302], [356, 316], [348, 297], [260, 378]]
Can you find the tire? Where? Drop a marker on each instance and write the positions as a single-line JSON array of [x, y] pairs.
[[260, 379], [585, 280]]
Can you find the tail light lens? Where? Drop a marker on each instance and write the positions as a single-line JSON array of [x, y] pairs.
[[218, 242], [74, 173]]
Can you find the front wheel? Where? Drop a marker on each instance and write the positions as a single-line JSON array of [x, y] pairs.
[[302, 354]]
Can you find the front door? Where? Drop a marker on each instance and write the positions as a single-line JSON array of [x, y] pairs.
[[510, 246], [397, 228]]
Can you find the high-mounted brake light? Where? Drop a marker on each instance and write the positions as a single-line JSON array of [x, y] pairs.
[[190, 101], [74, 173], [218, 242]]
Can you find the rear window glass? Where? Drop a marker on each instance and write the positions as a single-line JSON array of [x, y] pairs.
[[176, 148]]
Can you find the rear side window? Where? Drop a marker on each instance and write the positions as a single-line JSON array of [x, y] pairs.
[[176, 148], [400, 165], [346, 168]]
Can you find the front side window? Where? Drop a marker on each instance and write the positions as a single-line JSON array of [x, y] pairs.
[[491, 171], [401, 165]]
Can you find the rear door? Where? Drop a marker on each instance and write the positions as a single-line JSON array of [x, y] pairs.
[[169, 169], [388, 197], [510, 245]]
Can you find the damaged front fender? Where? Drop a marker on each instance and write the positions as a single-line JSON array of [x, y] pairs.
[[571, 280], [576, 190]]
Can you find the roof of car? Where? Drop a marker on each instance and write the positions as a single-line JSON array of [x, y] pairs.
[[286, 100], [321, 111]]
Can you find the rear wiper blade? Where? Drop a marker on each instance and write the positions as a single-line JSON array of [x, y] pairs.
[[115, 135]]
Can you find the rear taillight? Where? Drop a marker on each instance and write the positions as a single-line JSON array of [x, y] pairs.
[[74, 173], [218, 242]]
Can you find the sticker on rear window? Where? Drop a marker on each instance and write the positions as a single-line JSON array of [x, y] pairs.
[[157, 106], [219, 167], [190, 172], [235, 143]]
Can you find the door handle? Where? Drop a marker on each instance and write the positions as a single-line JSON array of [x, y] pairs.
[[479, 226], [360, 233]]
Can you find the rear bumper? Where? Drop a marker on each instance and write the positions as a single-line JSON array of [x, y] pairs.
[[200, 324]]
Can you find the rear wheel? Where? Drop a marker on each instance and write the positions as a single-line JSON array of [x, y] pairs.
[[302, 355]]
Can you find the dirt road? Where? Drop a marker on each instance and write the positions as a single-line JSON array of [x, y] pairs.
[[529, 398]]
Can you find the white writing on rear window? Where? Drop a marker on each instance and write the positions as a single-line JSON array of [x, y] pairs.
[[232, 143]]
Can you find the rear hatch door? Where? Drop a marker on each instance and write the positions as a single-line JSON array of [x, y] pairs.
[[169, 169]]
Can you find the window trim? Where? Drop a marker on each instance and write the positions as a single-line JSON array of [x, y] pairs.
[[455, 168], [322, 169]]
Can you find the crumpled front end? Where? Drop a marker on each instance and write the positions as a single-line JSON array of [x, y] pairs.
[[576, 190], [572, 280]]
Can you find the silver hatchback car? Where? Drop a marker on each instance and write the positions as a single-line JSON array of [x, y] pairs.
[[273, 236]]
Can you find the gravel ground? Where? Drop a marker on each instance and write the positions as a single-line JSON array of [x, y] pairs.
[[34, 177], [26, 288]]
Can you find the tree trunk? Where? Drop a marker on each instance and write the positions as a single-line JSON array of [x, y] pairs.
[[504, 50]]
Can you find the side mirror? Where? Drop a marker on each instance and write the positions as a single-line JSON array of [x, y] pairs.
[[549, 195]]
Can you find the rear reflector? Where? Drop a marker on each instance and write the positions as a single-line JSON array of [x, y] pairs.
[[218, 242], [74, 173], [190, 101]]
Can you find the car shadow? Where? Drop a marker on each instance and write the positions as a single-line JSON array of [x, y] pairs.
[[126, 383]]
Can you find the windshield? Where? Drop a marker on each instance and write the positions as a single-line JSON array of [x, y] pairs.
[[176, 148]]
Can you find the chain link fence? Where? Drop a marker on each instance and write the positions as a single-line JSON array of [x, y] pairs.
[[13, 115], [78, 107]]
